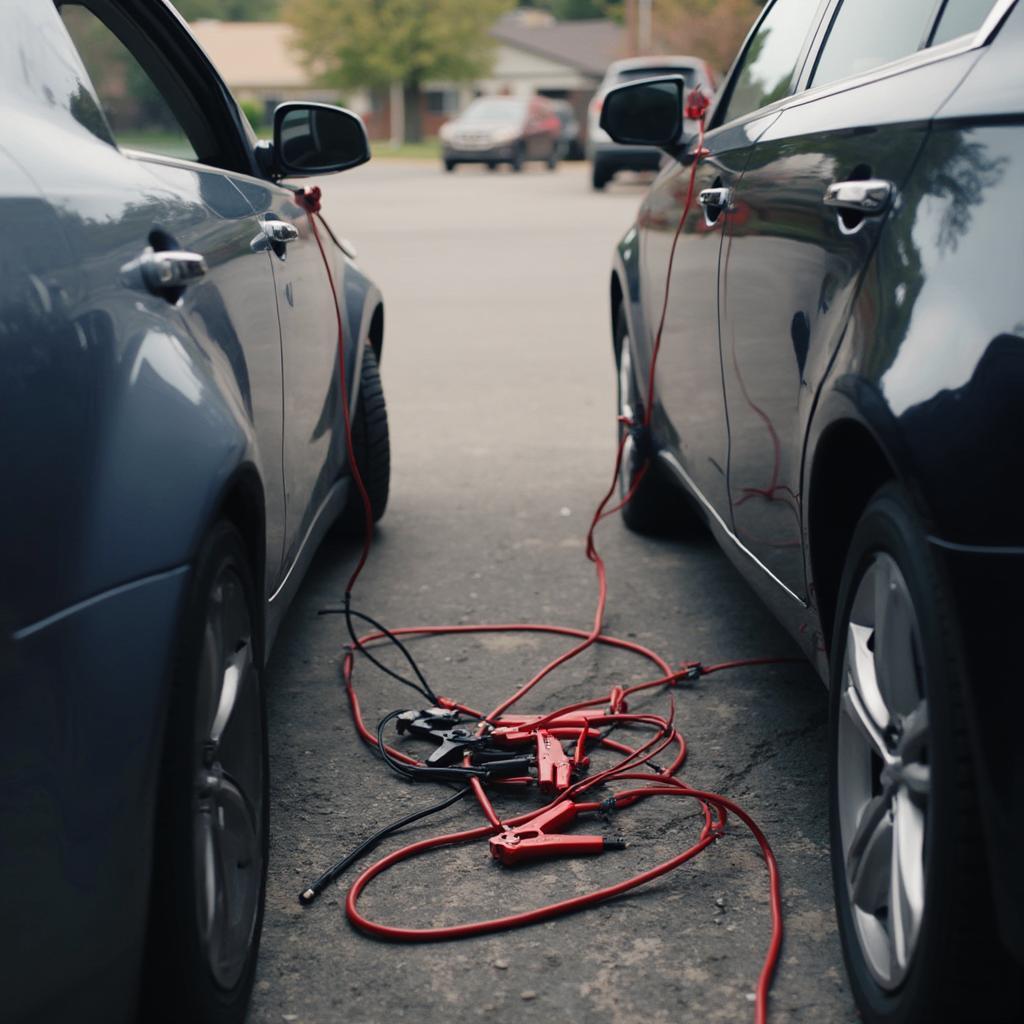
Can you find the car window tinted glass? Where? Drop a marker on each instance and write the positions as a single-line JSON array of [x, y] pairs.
[[138, 114], [868, 33], [770, 60], [960, 17]]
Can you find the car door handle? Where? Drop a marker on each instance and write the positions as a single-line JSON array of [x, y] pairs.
[[868, 198], [166, 273], [716, 198], [280, 231]]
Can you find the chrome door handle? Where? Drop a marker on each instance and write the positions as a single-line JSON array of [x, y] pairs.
[[164, 273], [280, 231], [868, 198], [716, 198]]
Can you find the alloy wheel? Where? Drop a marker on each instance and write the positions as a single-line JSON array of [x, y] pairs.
[[627, 411], [228, 804], [883, 771]]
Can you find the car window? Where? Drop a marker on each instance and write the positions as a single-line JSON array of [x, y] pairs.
[[137, 111], [499, 109], [635, 74], [770, 59], [868, 33], [960, 17]]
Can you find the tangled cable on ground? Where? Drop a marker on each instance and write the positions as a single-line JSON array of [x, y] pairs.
[[480, 751]]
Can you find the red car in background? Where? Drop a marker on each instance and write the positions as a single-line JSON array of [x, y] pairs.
[[502, 129]]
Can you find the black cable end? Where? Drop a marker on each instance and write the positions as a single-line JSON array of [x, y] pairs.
[[690, 674], [307, 896], [615, 844]]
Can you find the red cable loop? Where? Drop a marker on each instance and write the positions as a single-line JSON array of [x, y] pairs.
[[309, 199], [660, 783]]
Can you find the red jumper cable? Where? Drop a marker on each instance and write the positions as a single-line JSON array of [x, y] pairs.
[[537, 832]]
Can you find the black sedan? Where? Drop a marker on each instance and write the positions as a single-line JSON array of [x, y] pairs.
[[171, 422], [839, 394]]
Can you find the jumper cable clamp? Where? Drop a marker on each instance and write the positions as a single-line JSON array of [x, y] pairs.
[[443, 728], [533, 840], [554, 769], [453, 740]]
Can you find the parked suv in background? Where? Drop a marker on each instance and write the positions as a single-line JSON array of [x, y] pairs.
[[608, 156], [502, 129], [840, 393], [171, 422]]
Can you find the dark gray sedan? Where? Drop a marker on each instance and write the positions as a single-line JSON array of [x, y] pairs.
[[170, 416], [839, 391]]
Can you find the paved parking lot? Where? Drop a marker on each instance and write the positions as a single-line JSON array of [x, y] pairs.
[[498, 374]]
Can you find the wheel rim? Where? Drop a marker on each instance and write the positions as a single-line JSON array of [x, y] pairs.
[[883, 776], [627, 469], [228, 805]]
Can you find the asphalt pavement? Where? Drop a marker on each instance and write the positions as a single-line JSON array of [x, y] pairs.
[[498, 372]]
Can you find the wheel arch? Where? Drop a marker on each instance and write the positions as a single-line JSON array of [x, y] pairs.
[[617, 298], [375, 335], [836, 499], [242, 503]]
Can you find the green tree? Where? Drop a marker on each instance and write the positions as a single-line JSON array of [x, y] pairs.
[[377, 43]]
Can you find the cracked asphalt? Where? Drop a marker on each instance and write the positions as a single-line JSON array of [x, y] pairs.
[[498, 374]]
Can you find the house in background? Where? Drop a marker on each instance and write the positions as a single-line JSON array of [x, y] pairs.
[[533, 54], [558, 59], [259, 63]]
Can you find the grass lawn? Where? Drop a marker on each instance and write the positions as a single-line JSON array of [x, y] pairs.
[[164, 143], [176, 145], [429, 149]]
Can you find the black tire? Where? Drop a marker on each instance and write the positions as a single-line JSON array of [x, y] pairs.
[[372, 448], [214, 797], [599, 177], [492, 165], [519, 158], [552, 161], [657, 505], [449, 166], [954, 970]]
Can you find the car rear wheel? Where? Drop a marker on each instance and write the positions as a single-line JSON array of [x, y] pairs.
[[210, 865], [372, 447], [656, 506], [912, 894], [552, 162], [519, 158], [599, 177], [449, 165]]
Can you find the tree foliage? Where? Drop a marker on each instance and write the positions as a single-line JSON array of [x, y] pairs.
[[373, 43], [712, 29]]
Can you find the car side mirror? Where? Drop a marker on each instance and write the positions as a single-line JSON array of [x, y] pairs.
[[646, 113], [316, 138]]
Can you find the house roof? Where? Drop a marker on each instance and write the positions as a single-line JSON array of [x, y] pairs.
[[253, 54], [589, 45]]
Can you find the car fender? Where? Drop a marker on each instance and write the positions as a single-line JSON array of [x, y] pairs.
[[360, 303], [625, 291]]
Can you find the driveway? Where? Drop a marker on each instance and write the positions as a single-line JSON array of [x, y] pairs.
[[499, 378]]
